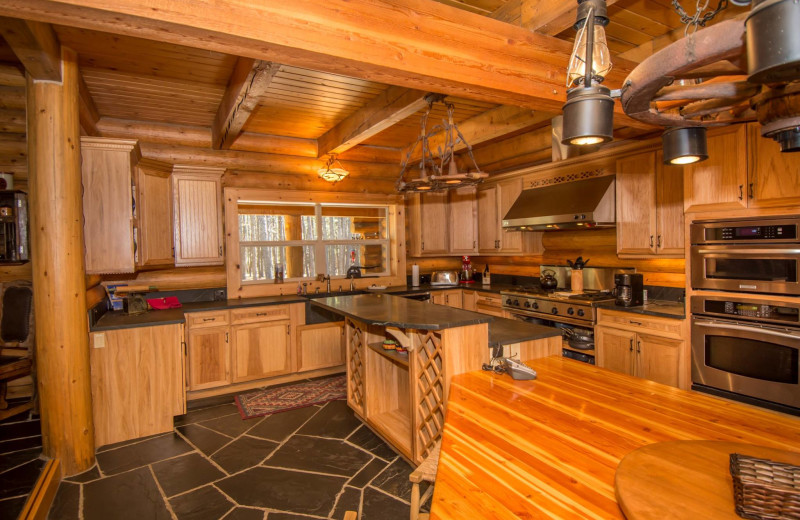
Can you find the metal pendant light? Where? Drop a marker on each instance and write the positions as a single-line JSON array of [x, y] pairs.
[[589, 110], [684, 145]]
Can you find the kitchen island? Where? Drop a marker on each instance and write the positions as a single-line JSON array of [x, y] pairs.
[[549, 448], [403, 396]]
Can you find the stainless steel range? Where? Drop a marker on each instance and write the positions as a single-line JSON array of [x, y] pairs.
[[575, 314]]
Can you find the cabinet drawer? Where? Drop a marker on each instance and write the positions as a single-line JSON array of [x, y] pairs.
[[665, 327], [489, 305], [255, 314], [196, 320]]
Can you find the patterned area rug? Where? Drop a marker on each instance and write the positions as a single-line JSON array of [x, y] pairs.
[[283, 398]]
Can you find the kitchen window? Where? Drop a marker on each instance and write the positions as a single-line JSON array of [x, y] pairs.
[[307, 238]]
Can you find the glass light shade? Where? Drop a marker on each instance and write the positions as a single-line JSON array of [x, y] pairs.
[[601, 57], [684, 145], [333, 175]]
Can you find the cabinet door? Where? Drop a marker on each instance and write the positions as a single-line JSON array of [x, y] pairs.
[[137, 382], [463, 229], [774, 176], [320, 346], [658, 359], [718, 183], [197, 200], [615, 349], [209, 357], [433, 221], [669, 208], [438, 297], [155, 213], [106, 174], [488, 221], [468, 300], [636, 204], [453, 298], [261, 350], [508, 191]]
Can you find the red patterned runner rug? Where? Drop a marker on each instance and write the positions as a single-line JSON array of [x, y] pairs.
[[283, 398]]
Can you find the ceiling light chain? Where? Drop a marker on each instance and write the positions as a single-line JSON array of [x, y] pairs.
[[697, 20]]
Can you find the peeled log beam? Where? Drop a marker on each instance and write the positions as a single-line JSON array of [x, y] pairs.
[[254, 161], [12, 76], [278, 181], [12, 121], [12, 98]]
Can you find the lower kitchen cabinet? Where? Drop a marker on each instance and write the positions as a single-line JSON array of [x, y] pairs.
[[209, 357], [137, 379], [488, 303], [320, 346], [451, 298], [261, 349], [649, 347]]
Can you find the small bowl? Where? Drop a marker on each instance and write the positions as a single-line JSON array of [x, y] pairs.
[[390, 344]]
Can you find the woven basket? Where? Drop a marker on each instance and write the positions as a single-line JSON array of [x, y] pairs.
[[763, 489]]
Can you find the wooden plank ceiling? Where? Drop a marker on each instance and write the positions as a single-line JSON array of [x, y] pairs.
[[174, 94]]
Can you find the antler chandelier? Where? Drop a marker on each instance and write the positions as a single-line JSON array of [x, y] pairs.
[[438, 171]]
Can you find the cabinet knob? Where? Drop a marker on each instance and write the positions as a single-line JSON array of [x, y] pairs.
[[638, 347], [651, 241], [750, 190], [658, 241], [741, 192], [220, 250], [226, 337], [423, 246], [631, 345]]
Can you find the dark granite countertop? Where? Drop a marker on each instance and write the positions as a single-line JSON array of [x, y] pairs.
[[407, 289], [120, 320], [386, 309], [504, 331], [661, 308]]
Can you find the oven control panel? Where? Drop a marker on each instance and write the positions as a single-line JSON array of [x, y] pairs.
[[761, 310], [763, 230]]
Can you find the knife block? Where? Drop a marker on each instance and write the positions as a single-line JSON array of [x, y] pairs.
[[576, 281]]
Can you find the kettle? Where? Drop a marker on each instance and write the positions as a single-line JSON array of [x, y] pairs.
[[548, 280]]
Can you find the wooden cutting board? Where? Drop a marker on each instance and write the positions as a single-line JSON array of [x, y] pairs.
[[684, 479]]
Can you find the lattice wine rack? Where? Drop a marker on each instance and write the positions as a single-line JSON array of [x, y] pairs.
[[356, 346], [429, 394]]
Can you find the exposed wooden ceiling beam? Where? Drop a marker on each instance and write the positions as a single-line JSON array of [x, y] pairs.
[[36, 46], [543, 16], [87, 111], [390, 106], [489, 125], [248, 82], [418, 44]]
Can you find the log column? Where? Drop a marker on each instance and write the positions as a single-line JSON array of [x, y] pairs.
[[56, 230]]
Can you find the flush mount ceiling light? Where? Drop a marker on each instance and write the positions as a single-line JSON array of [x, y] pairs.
[[438, 171], [589, 110], [684, 145], [333, 171]]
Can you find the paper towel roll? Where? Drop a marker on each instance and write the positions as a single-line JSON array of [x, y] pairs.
[[415, 275]]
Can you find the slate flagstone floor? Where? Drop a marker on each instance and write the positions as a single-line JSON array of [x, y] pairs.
[[310, 463]]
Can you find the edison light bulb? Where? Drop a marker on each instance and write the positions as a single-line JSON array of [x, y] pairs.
[[601, 58]]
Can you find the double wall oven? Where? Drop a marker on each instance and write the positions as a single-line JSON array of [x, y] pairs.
[[746, 310]]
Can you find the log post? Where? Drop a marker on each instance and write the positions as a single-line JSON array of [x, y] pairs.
[[56, 227]]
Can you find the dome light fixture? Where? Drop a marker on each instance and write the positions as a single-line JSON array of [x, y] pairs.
[[333, 171], [589, 110], [684, 145]]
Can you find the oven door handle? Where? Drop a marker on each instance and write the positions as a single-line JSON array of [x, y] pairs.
[[743, 328], [749, 251]]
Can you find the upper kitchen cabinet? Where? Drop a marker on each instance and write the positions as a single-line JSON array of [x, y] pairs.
[[463, 220], [774, 177], [108, 204], [494, 201], [719, 182], [197, 215], [427, 219], [154, 220], [649, 206]]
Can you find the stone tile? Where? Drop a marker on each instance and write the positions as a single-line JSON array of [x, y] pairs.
[[283, 490], [205, 440], [86, 476], [66, 503], [12, 507], [321, 455], [276, 515], [12, 460], [369, 472], [25, 443], [141, 454], [349, 500], [394, 480], [20, 429], [277, 427], [336, 420], [379, 506], [364, 438], [128, 496], [109, 447], [184, 473], [204, 414], [243, 513], [20, 480], [231, 425], [205, 503], [243, 453]]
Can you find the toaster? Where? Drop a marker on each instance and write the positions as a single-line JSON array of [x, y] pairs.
[[444, 278]]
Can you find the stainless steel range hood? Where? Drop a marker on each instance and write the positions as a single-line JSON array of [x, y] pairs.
[[584, 204]]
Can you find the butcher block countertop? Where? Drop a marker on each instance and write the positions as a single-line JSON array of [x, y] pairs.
[[549, 448]]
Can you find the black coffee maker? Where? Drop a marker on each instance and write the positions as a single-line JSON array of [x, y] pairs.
[[629, 289]]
